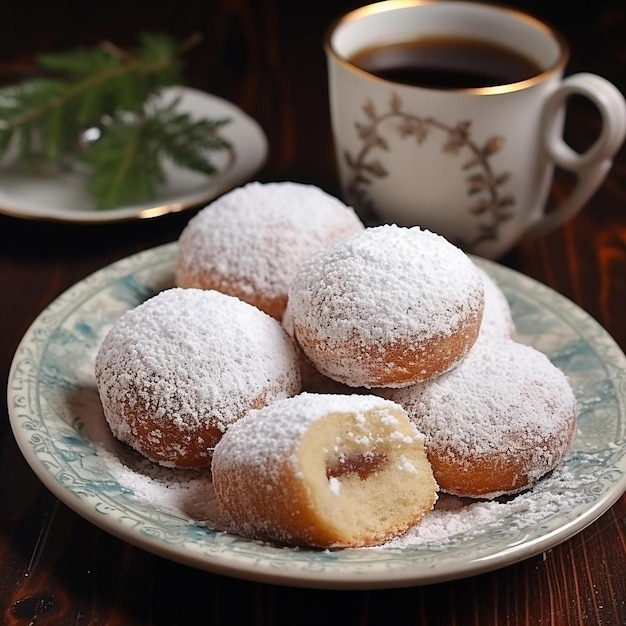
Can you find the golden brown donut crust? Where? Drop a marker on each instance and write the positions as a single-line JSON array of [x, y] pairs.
[[412, 363]]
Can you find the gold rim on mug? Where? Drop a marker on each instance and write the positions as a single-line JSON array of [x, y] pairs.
[[393, 5]]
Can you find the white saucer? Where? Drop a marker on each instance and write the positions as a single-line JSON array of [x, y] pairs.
[[65, 197]]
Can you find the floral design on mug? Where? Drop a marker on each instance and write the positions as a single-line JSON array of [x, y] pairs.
[[483, 183]]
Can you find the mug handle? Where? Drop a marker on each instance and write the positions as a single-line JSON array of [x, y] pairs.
[[591, 166]]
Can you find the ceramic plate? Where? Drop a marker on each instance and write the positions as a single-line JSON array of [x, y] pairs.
[[65, 197], [57, 420]]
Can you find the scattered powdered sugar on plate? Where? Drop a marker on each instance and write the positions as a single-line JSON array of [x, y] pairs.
[[189, 494], [183, 493], [459, 519]]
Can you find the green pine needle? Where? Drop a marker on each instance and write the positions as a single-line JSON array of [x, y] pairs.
[[125, 168], [127, 161], [113, 90]]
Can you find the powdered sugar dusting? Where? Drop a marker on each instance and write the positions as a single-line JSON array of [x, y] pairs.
[[184, 493], [500, 389], [186, 356], [190, 495], [284, 423], [385, 284], [255, 236], [497, 316], [505, 398], [461, 519]]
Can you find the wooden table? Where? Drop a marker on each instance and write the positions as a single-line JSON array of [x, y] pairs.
[[55, 567]]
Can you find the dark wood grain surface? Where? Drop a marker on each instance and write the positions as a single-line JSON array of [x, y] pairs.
[[267, 57]]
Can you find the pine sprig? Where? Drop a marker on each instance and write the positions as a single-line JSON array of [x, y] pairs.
[[111, 90], [184, 140], [125, 169], [127, 161]]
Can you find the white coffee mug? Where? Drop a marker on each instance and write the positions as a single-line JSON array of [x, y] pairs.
[[474, 164]]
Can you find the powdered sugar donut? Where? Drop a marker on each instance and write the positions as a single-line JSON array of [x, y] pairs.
[[324, 470], [495, 424], [249, 242], [175, 372], [387, 307]]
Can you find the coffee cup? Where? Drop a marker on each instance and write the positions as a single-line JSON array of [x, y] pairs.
[[450, 115]]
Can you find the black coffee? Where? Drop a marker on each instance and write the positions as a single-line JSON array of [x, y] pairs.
[[446, 63]]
